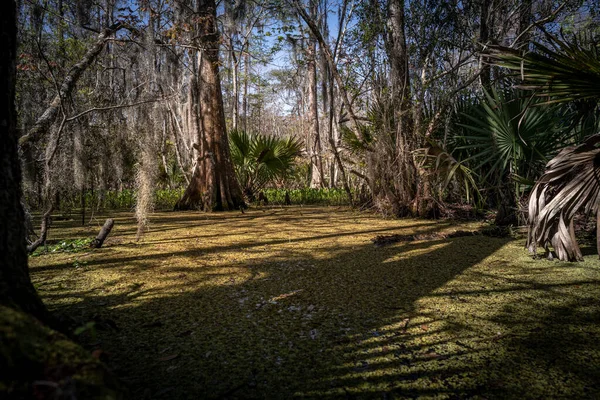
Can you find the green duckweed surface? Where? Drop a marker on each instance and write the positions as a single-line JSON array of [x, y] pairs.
[[299, 303]]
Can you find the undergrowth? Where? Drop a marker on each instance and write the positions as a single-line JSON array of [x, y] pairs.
[[165, 199], [308, 196], [64, 246]]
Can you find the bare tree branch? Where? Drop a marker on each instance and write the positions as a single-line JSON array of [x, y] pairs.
[[44, 122], [93, 109]]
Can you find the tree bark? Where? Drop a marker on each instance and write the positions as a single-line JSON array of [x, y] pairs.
[[398, 56], [16, 289], [247, 60], [231, 29], [235, 112], [403, 169], [213, 186]]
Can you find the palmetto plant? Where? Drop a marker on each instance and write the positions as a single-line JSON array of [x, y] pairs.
[[259, 160], [571, 182], [445, 169], [507, 135], [570, 71]]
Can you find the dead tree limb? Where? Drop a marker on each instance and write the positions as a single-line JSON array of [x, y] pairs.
[[44, 122], [43, 231], [103, 234]]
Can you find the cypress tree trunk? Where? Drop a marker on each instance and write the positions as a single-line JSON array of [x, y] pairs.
[[213, 185], [16, 289]]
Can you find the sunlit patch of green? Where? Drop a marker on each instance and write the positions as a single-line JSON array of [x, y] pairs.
[[297, 301], [65, 246], [323, 196]]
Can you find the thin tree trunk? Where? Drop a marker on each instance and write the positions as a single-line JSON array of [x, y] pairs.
[[333, 142], [332, 66], [325, 81], [43, 231], [178, 138], [245, 96], [316, 180], [236, 93], [484, 36], [404, 172]]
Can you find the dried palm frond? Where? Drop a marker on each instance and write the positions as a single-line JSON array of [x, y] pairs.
[[571, 183], [445, 168]]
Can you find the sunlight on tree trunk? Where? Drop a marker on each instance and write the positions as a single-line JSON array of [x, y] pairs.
[[213, 185], [316, 179]]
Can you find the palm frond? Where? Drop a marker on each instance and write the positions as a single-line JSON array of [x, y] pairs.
[[572, 72], [570, 184], [355, 145], [446, 169], [260, 159], [507, 132]]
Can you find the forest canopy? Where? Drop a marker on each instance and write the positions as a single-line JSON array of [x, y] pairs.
[[402, 105]]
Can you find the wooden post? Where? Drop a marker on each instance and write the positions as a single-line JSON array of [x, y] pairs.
[[104, 232]]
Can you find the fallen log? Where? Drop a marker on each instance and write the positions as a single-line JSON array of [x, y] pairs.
[[104, 232]]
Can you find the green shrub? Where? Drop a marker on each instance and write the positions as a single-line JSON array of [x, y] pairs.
[[65, 246], [331, 197]]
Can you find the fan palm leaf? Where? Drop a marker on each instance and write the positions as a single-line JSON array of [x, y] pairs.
[[572, 72], [506, 133], [259, 159], [569, 72]]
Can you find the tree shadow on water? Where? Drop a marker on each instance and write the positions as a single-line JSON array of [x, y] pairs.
[[339, 318]]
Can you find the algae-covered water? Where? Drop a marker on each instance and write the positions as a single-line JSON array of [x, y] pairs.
[[299, 302]]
